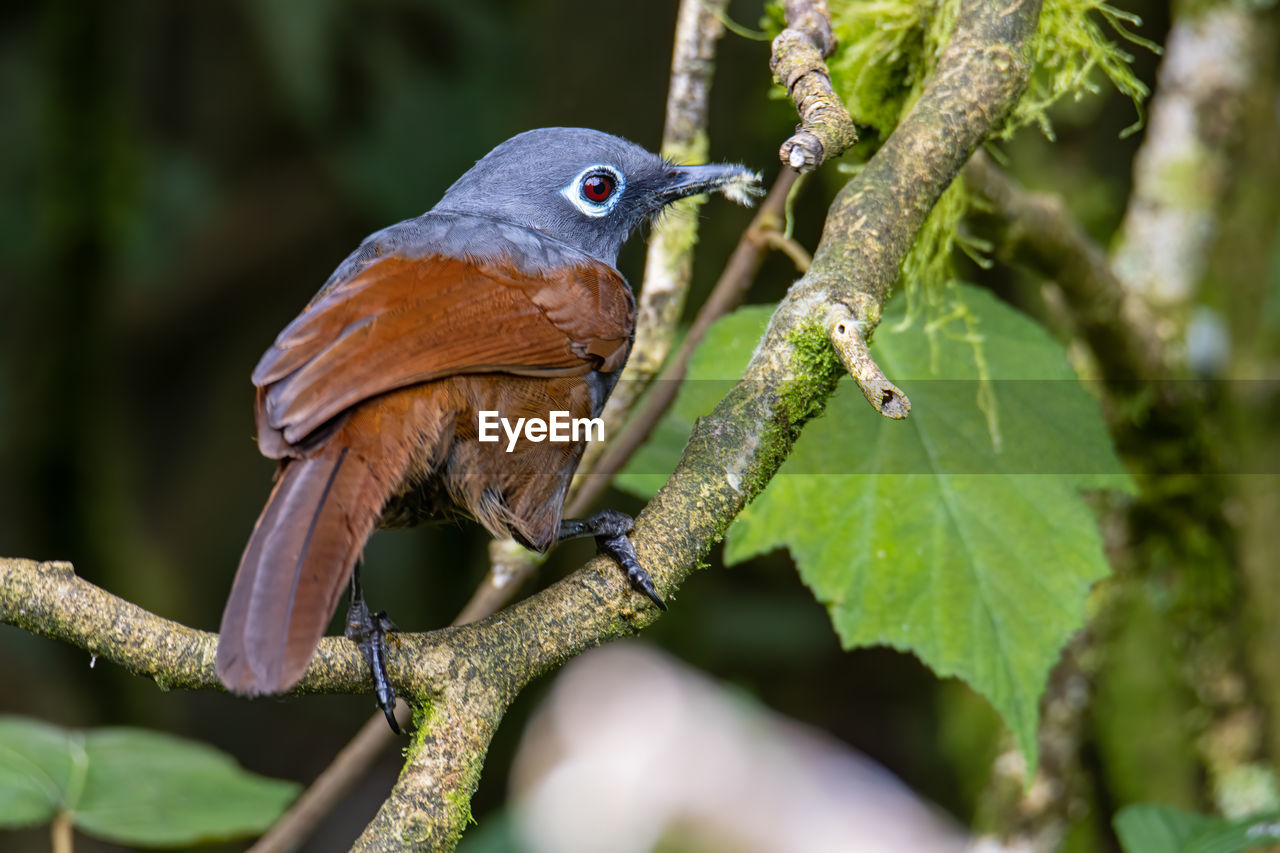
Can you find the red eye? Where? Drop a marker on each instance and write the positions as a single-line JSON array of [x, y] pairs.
[[598, 186]]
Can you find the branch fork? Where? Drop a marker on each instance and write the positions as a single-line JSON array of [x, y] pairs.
[[848, 335]]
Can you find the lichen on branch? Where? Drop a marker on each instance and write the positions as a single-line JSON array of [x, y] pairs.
[[798, 64]]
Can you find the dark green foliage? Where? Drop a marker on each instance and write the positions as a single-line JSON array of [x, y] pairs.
[[131, 786]]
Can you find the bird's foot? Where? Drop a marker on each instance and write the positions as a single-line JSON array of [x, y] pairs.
[[610, 529], [369, 632]]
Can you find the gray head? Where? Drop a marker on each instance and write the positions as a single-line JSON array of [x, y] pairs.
[[584, 187]]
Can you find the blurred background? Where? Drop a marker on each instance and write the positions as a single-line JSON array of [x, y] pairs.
[[177, 179]]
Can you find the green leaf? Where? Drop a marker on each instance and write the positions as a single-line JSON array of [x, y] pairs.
[[1152, 828], [131, 786], [958, 534], [1148, 828], [37, 765], [713, 370]]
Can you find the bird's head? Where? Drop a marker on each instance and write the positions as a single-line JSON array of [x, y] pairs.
[[585, 188]]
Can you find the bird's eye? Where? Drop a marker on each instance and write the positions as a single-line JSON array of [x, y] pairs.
[[598, 186], [595, 190]]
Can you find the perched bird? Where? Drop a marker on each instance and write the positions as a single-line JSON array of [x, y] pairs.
[[502, 298]]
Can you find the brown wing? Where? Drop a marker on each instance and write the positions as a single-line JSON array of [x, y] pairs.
[[402, 321]]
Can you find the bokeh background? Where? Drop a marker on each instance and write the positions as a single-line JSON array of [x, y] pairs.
[[176, 180]]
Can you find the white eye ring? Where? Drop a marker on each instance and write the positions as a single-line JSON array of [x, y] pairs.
[[574, 195]]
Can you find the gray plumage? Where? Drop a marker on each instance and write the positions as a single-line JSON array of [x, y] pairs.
[[503, 208]]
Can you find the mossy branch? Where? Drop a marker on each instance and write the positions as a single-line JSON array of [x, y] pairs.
[[1038, 229], [1185, 165], [799, 65], [460, 680]]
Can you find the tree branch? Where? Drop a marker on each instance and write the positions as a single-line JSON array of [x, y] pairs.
[[1039, 229], [1183, 169], [798, 63], [50, 600], [1130, 309], [846, 335], [461, 679]]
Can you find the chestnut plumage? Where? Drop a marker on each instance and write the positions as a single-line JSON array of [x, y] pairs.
[[503, 297]]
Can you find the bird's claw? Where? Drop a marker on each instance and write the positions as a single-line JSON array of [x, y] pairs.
[[610, 528], [369, 632]]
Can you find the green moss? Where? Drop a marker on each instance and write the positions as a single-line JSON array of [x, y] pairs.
[[459, 799], [801, 398], [817, 370], [879, 62], [1182, 180], [460, 802], [928, 270], [889, 48], [1069, 46], [424, 713]]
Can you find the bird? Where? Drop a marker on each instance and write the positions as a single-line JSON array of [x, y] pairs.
[[502, 298]]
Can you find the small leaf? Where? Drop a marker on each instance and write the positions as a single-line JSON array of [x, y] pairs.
[[1153, 828], [36, 768], [132, 786], [1148, 828]]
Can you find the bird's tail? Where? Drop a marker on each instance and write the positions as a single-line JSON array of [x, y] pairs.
[[298, 561]]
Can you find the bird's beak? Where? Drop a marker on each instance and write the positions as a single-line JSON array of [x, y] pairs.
[[738, 183]]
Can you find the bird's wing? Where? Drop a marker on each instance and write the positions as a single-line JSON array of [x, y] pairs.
[[401, 321]]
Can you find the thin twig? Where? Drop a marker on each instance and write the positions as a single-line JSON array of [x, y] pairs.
[[668, 267], [62, 834], [510, 565], [799, 64], [790, 247], [846, 335], [349, 766]]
